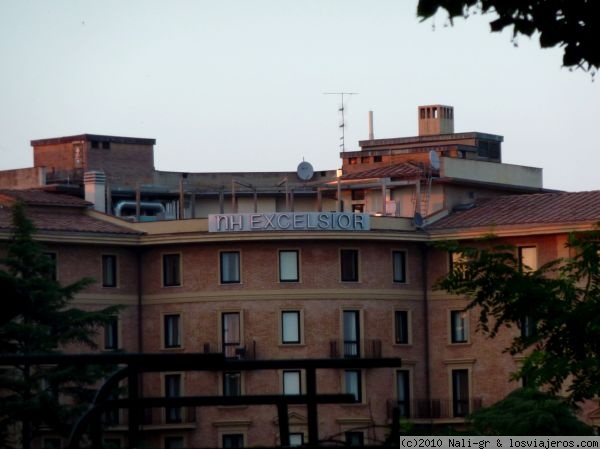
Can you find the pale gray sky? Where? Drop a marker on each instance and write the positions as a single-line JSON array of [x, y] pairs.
[[238, 85]]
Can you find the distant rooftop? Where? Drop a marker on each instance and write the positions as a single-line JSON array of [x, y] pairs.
[[95, 138]]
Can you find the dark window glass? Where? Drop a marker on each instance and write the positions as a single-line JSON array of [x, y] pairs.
[[459, 326], [111, 334], [401, 319], [460, 392], [172, 331], [403, 388], [231, 333], [349, 265], [399, 266], [353, 384], [109, 271], [171, 270], [351, 333], [173, 390], [232, 441], [292, 382], [355, 439], [232, 383], [230, 267]]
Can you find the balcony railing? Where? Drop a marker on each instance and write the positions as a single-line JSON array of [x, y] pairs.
[[233, 351], [354, 349], [434, 408], [156, 416]]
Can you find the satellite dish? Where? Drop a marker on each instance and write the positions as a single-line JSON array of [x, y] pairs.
[[418, 220], [434, 160], [305, 171]]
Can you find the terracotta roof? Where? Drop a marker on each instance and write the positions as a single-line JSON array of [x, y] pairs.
[[41, 198], [541, 208], [402, 170]]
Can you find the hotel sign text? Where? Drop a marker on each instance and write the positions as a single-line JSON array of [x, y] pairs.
[[289, 221]]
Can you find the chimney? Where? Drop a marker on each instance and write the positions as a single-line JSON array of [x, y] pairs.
[[95, 189], [436, 119], [371, 135]]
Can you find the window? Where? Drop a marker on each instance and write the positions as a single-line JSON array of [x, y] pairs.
[[231, 335], [171, 270], [459, 326], [296, 439], [403, 391], [377, 158], [352, 384], [172, 331], [399, 266], [456, 263], [111, 334], [527, 258], [51, 270], [528, 327], [351, 333], [290, 327], [109, 271], [172, 390], [173, 442], [460, 392], [51, 443], [292, 382], [355, 439], [232, 383], [230, 267], [235, 440], [401, 327], [349, 265], [288, 266]]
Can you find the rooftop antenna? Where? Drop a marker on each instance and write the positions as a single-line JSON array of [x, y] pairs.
[[341, 110]]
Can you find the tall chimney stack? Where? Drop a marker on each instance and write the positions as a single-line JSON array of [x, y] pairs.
[[95, 189], [436, 119], [371, 135]]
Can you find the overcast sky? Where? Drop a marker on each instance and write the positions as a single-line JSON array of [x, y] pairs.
[[238, 85]]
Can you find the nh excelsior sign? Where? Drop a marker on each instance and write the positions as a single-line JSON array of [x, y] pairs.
[[289, 221]]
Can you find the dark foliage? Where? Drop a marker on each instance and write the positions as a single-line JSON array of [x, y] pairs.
[[571, 24]]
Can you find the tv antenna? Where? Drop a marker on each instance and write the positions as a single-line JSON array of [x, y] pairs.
[[341, 110]]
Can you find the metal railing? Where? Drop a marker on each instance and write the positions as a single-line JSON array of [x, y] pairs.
[[434, 408], [353, 349], [233, 351]]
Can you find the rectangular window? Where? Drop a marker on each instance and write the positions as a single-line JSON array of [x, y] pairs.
[[349, 265], [354, 439], [459, 326], [460, 392], [172, 331], [171, 270], [231, 441], [290, 327], [288, 266], [232, 383], [351, 333], [173, 442], [352, 383], [527, 258], [51, 270], [111, 334], [403, 390], [231, 333], [401, 327], [173, 390], [457, 262], [109, 271], [291, 382], [230, 267], [399, 266], [528, 327]]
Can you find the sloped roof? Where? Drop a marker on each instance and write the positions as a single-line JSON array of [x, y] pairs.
[[401, 170], [41, 198], [55, 213], [540, 208]]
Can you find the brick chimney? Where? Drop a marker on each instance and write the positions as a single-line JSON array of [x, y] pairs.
[[436, 119]]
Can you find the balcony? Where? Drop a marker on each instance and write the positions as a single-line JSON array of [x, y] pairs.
[[233, 351], [416, 409], [353, 349], [159, 418]]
